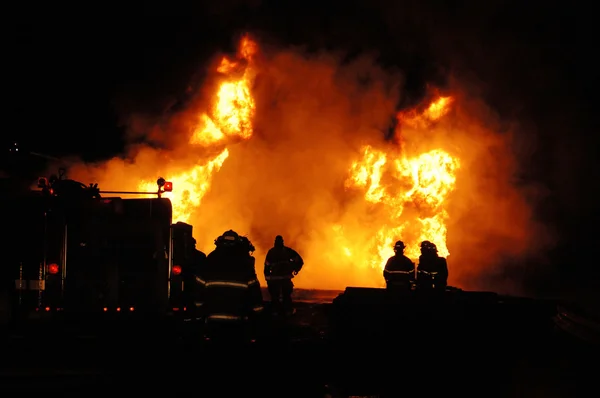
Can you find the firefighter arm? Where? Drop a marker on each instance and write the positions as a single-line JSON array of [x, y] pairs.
[[199, 293], [444, 269], [255, 295], [268, 264], [413, 272], [297, 262], [386, 271]]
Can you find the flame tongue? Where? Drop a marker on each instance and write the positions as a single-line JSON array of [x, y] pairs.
[[232, 112], [230, 118], [191, 186], [427, 178]]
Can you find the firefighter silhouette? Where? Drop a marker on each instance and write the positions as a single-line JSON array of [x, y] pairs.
[[281, 265], [432, 272], [399, 271], [228, 293]]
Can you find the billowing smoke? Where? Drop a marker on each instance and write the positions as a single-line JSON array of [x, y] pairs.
[[313, 115]]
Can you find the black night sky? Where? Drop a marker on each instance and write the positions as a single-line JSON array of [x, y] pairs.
[[74, 70]]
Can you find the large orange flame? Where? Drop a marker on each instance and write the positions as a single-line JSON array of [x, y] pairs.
[[341, 201], [428, 179], [231, 117]]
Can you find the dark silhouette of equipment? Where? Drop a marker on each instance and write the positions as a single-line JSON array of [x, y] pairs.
[[73, 249], [483, 328], [58, 185]]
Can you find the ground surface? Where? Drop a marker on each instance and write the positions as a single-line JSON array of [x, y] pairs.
[[298, 358]]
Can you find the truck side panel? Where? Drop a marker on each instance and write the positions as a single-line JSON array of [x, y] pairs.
[[118, 256], [104, 255]]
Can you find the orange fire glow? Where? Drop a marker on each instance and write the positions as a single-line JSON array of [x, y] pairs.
[[301, 153]]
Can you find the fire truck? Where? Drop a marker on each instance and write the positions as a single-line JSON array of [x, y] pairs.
[[74, 250]]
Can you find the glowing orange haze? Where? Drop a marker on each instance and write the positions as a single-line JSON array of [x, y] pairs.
[[293, 144]]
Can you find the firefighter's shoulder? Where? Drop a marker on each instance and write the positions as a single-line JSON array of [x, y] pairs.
[[200, 254], [213, 261], [212, 254], [391, 261], [388, 262]]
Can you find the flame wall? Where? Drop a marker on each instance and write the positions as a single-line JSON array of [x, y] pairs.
[[312, 116]]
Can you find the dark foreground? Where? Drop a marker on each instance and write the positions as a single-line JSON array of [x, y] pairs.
[[468, 345]]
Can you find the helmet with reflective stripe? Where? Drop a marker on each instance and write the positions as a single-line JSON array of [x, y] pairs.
[[399, 245], [229, 238]]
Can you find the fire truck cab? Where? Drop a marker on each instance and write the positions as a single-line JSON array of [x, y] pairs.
[[72, 250]]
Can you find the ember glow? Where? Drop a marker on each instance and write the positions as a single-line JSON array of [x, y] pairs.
[[301, 152]]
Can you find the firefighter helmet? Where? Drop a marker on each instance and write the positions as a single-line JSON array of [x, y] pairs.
[[399, 246], [229, 238], [427, 246]]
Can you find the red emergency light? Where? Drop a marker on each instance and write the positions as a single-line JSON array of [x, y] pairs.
[[176, 270], [168, 187], [53, 269]]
